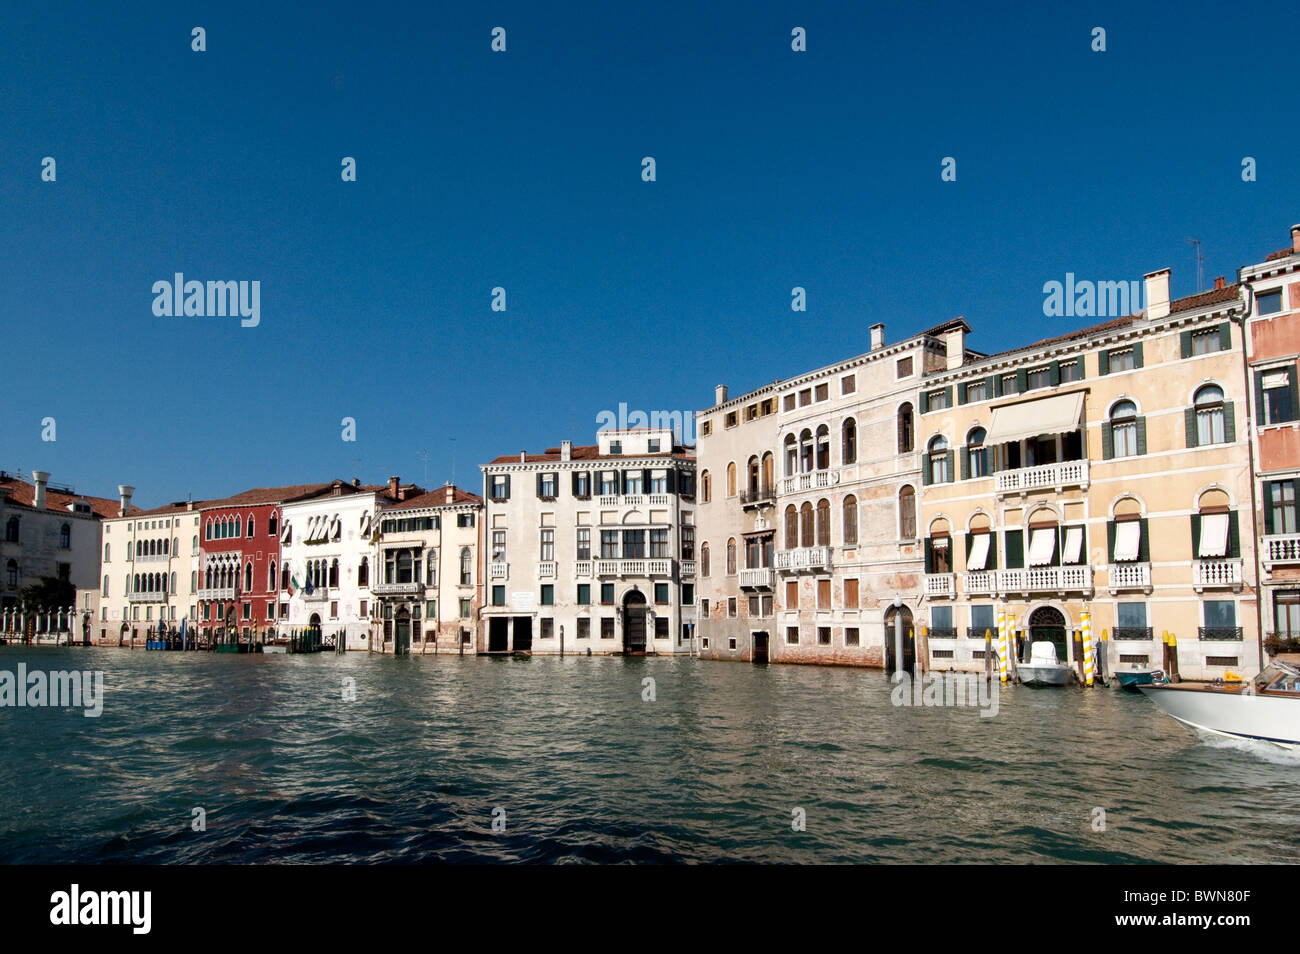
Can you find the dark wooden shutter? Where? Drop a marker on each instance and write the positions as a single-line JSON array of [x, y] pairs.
[[1260, 414], [947, 396], [1054, 373], [1015, 546], [672, 479], [1295, 395], [1141, 426], [645, 482], [1144, 542], [1268, 507], [1189, 419], [1022, 380], [965, 463], [1225, 336], [1185, 344], [1137, 354], [1107, 440], [948, 468], [1081, 368], [961, 393], [1110, 541], [1234, 537], [925, 470], [539, 485], [1196, 536], [989, 387], [997, 385], [1229, 422], [929, 556], [1103, 362]]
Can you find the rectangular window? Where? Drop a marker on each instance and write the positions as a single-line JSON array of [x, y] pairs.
[[788, 402], [754, 606], [501, 487], [1286, 614], [941, 617], [1220, 614], [548, 628], [688, 543], [1121, 359], [658, 544], [582, 485], [904, 367], [498, 596], [792, 594], [607, 628], [1040, 377], [688, 594], [936, 400], [1281, 507], [823, 635], [632, 482], [661, 593], [1131, 615], [823, 594], [548, 546], [1071, 371], [609, 484], [584, 594], [1010, 384], [851, 636], [547, 486], [805, 397], [607, 593], [848, 384], [270, 611], [731, 420], [1278, 389], [548, 594], [976, 391], [731, 607], [704, 608], [823, 392], [851, 594], [584, 628], [464, 520], [1268, 303], [498, 546], [653, 447], [466, 607], [633, 544], [584, 544], [1205, 341], [792, 635], [981, 619], [609, 544]]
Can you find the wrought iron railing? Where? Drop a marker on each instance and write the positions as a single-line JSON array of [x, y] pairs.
[[1219, 632], [1132, 632]]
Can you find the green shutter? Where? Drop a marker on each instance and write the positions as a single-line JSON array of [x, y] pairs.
[[970, 537], [1015, 546], [1234, 537], [1185, 344], [539, 485], [1054, 373], [1196, 535], [1103, 362], [965, 463], [1082, 367], [1022, 380], [1107, 441], [929, 556], [1225, 336], [507, 486], [1144, 542], [925, 471], [1229, 422], [948, 467], [1295, 395], [989, 386], [947, 396], [1110, 541], [1268, 508], [961, 393], [1141, 426], [1189, 419], [1137, 354], [997, 385], [1259, 399], [992, 562], [986, 454]]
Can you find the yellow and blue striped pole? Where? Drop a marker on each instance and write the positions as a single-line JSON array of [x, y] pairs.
[[1089, 661]]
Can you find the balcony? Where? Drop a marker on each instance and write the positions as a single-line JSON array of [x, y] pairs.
[[637, 568], [941, 585], [980, 583], [217, 593], [154, 597], [1282, 548], [1058, 477], [1046, 579], [498, 571], [321, 594], [757, 578], [814, 480], [1216, 573], [660, 500], [1218, 632], [1129, 576], [389, 589], [804, 558], [942, 632], [546, 570], [153, 558], [607, 500], [761, 497], [687, 569], [1132, 632], [582, 568]]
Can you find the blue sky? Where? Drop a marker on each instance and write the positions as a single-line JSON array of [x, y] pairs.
[[522, 170]]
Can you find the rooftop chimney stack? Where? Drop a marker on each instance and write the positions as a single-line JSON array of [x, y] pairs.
[[40, 478], [1219, 283], [1157, 293], [877, 336], [720, 394], [566, 450], [124, 493], [451, 493], [1295, 238], [954, 341], [393, 483], [523, 457]]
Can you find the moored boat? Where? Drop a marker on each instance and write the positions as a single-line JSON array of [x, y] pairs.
[[1266, 709], [1131, 679], [1043, 668]]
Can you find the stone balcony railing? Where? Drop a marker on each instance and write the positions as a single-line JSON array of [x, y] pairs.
[[634, 500], [546, 570], [813, 480], [757, 578], [217, 593], [1046, 579], [687, 569], [803, 558], [498, 571], [321, 594], [1216, 573], [582, 568], [980, 583], [941, 585], [1282, 548], [395, 589], [153, 558], [155, 596], [1058, 476], [635, 567], [1129, 576]]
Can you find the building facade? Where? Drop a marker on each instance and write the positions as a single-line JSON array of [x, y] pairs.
[[1104, 471], [591, 549]]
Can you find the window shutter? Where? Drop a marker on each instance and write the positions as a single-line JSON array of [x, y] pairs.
[[1103, 362], [969, 540], [573, 483], [1234, 537], [1225, 337], [987, 455], [989, 386], [1081, 366], [539, 485], [1144, 542], [992, 562], [1054, 373], [1137, 354], [1015, 549], [1022, 380], [925, 471], [948, 468], [965, 463], [1196, 536], [1110, 541], [1259, 399], [1141, 427], [947, 396], [1229, 422], [996, 390], [1185, 344], [961, 393], [622, 480], [1107, 441], [929, 556], [1268, 509], [1189, 419], [1295, 395], [672, 480], [645, 481]]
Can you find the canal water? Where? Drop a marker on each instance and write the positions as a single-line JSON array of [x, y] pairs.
[[581, 766]]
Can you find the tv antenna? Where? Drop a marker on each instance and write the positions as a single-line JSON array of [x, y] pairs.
[[1200, 264], [424, 456]]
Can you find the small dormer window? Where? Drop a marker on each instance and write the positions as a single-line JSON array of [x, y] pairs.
[[654, 447], [616, 447]]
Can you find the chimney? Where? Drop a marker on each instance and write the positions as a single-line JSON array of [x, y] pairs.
[[877, 336], [124, 493], [356, 481], [1157, 293], [392, 486], [336, 488], [1218, 283], [566, 450], [1295, 238], [451, 493], [720, 394], [954, 341], [40, 478]]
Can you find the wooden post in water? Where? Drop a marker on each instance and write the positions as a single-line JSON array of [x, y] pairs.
[[988, 655], [1077, 639], [921, 658]]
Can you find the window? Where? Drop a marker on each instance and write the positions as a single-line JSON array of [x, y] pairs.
[[633, 544], [1205, 341], [1207, 422], [607, 593], [250, 527], [498, 546], [1040, 377], [731, 557], [938, 468], [1268, 303], [805, 397], [11, 572], [851, 594], [1071, 371], [659, 544], [706, 487], [792, 635], [907, 513], [792, 594], [906, 434], [11, 530], [688, 543], [65, 537], [661, 593], [548, 594], [977, 455], [431, 568], [822, 392], [850, 519], [823, 594], [904, 368], [501, 487], [823, 635], [272, 525], [848, 384], [1280, 506], [823, 447], [1121, 359], [1286, 614], [1123, 430], [548, 545], [466, 607], [688, 594], [582, 485], [823, 522], [584, 594], [1010, 384], [1277, 393], [731, 479], [937, 400], [981, 620], [731, 419], [584, 543], [704, 559], [851, 636], [849, 442], [548, 486], [498, 596], [1220, 614], [652, 447], [976, 391]]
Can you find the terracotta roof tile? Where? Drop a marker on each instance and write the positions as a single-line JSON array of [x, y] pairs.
[[270, 495], [23, 494], [1280, 253], [436, 498], [588, 452]]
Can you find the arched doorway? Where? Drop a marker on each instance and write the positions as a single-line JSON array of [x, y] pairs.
[[402, 631], [634, 608], [1048, 623], [909, 639]]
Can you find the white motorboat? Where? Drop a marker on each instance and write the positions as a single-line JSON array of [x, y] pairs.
[[1043, 668], [1266, 709]]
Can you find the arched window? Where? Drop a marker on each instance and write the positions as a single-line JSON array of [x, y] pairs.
[[907, 513], [753, 475], [207, 530], [431, 568], [284, 577], [65, 537], [769, 471], [1123, 429], [466, 566], [250, 525], [270, 576], [106, 559], [363, 572], [11, 572], [104, 591], [805, 451], [823, 447], [248, 578], [937, 461], [334, 572], [194, 580], [731, 479], [731, 557], [1209, 416], [194, 544], [849, 442], [176, 547], [706, 487], [173, 589], [850, 519], [976, 453], [272, 525], [806, 529], [791, 455], [823, 522], [791, 527], [404, 567], [207, 578], [704, 559], [906, 434]]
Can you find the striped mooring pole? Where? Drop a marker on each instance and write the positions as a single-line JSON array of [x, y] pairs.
[[1002, 646], [1089, 659]]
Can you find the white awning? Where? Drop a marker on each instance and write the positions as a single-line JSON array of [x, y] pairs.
[[1128, 537], [1214, 535], [1275, 379], [1054, 415], [979, 551], [1041, 544], [1073, 544], [659, 474]]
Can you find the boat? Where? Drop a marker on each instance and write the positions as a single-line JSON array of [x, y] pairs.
[[1265, 709], [1139, 675], [1043, 668]]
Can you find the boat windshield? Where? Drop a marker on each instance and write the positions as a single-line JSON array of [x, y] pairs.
[[1278, 677]]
